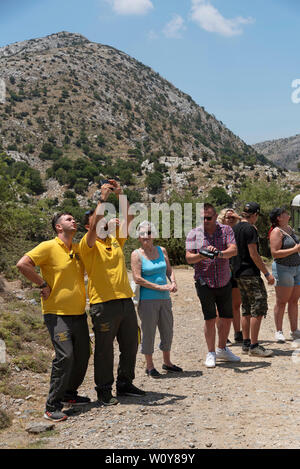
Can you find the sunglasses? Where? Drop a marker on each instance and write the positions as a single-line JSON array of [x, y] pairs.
[[145, 233], [208, 218]]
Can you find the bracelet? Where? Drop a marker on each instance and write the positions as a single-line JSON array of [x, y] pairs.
[[101, 200], [44, 285], [267, 274]]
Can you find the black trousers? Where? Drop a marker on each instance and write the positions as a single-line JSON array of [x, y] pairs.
[[71, 342], [114, 319]]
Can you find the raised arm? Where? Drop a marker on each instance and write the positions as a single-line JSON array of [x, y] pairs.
[[106, 190]]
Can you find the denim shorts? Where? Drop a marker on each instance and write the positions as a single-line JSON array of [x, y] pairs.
[[285, 275]]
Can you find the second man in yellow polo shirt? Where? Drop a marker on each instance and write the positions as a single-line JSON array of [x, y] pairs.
[[111, 307]]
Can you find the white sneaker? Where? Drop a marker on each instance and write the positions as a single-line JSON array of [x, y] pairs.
[[279, 337], [227, 355], [295, 334], [210, 361]]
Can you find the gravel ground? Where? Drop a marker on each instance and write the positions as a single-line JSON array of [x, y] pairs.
[[253, 404]]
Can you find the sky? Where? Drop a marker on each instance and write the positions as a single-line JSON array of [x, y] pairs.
[[237, 58]]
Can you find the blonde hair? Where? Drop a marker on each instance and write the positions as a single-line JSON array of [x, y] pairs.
[[222, 216]]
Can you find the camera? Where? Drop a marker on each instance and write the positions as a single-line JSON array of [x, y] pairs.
[[209, 254], [106, 181]]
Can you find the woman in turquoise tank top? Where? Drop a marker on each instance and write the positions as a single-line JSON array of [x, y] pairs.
[[151, 268]]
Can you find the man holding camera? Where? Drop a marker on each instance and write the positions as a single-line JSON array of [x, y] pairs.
[[209, 248], [111, 307]]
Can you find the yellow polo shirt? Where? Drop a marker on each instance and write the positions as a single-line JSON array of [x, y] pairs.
[[63, 270], [106, 269]]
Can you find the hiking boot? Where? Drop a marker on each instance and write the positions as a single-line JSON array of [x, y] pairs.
[[226, 355], [260, 351], [76, 400], [129, 389], [238, 337], [106, 398], [246, 346], [279, 337], [210, 361], [55, 415]]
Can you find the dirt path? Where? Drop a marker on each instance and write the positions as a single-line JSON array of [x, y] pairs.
[[252, 404]]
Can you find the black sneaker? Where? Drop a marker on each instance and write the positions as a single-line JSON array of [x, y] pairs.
[[246, 346], [129, 389], [106, 398], [55, 415], [153, 373], [76, 400], [238, 337]]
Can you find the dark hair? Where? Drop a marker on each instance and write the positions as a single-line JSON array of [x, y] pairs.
[[208, 206], [275, 213], [87, 215], [56, 218]]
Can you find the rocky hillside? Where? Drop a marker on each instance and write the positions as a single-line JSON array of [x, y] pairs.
[[79, 111], [284, 152]]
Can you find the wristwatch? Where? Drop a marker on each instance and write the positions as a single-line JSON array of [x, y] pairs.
[[44, 285]]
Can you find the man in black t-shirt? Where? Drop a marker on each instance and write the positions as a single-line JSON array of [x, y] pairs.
[[247, 266]]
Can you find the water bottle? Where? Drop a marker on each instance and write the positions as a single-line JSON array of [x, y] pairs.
[[2, 351]]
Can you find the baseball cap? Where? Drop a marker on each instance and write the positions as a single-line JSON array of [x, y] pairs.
[[252, 208]]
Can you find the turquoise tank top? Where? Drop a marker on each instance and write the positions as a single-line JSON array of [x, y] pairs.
[[155, 272]]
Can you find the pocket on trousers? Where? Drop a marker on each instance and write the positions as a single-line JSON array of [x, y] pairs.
[[96, 311]]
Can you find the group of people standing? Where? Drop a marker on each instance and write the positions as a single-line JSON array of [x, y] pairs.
[[232, 277], [227, 265]]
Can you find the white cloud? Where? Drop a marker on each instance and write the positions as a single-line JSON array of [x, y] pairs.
[[210, 19], [152, 35], [131, 7], [174, 28]]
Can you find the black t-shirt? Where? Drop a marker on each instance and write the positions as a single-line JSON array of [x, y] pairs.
[[243, 265]]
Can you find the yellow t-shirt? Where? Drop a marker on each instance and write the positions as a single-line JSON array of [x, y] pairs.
[[63, 270], [106, 269]]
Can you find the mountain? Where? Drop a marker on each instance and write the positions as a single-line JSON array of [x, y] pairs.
[[78, 112], [284, 152]]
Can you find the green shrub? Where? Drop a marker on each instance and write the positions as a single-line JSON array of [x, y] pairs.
[[5, 419]]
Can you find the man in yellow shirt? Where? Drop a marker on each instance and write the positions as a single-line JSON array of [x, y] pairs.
[[111, 307], [63, 301]]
